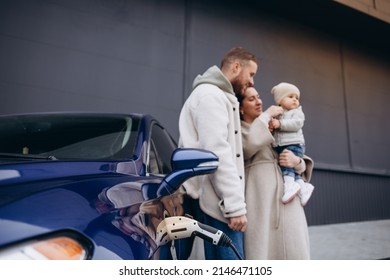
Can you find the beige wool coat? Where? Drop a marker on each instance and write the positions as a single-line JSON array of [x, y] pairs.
[[275, 230]]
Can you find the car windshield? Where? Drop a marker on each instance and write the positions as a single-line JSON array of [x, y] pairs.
[[68, 137]]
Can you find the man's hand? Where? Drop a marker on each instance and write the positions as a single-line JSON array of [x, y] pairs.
[[238, 223]]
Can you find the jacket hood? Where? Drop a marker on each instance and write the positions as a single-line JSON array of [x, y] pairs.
[[214, 76]]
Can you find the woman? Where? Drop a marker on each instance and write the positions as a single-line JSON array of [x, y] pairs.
[[274, 230]]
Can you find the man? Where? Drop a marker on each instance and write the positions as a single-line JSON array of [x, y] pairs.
[[210, 120]]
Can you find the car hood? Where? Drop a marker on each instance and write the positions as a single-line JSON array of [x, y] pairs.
[[102, 194]]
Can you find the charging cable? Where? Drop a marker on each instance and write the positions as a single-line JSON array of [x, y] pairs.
[[179, 227]]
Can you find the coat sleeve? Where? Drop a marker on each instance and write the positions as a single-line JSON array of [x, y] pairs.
[[255, 136], [307, 172]]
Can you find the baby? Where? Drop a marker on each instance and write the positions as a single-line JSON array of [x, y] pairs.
[[288, 134]]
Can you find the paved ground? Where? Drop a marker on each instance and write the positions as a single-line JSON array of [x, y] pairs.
[[351, 241]]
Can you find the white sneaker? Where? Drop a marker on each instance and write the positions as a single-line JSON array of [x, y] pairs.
[[290, 191], [305, 193]]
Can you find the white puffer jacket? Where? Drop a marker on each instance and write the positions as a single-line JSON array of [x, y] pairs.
[[290, 131]]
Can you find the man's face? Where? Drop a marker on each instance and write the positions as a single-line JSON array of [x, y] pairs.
[[245, 77]]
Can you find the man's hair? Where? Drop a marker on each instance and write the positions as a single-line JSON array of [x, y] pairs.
[[238, 53]]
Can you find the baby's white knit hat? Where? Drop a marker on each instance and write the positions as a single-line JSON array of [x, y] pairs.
[[282, 90]]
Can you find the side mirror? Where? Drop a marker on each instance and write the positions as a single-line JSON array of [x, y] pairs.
[[187, 163]]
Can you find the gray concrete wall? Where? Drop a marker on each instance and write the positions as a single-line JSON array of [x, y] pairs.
[[120, 56]]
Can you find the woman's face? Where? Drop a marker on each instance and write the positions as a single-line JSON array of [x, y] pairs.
[[251, 106]]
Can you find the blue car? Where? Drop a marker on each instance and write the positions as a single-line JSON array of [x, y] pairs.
[[95, 186]]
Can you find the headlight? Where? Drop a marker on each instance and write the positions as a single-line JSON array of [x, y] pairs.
[[64, 245]]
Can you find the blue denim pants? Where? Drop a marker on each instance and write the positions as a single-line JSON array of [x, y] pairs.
[[213, 252], [298, 150]]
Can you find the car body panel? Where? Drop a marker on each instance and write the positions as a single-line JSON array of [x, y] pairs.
[[112, 202]]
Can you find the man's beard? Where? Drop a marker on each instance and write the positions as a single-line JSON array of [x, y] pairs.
[[238, 86]]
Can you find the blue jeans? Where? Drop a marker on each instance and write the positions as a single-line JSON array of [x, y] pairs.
[[298, 150], [213, 252]]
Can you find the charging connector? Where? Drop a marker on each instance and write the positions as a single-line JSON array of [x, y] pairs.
[[178, 227]]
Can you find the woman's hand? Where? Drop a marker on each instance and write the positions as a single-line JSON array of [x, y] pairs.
[[274, 111], [288, 159]]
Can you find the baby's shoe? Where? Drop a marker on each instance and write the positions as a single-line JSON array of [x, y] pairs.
[[291, 189], [305, 193]]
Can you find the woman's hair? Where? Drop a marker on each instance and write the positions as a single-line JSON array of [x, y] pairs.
[[239, 53], [240, 97]]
